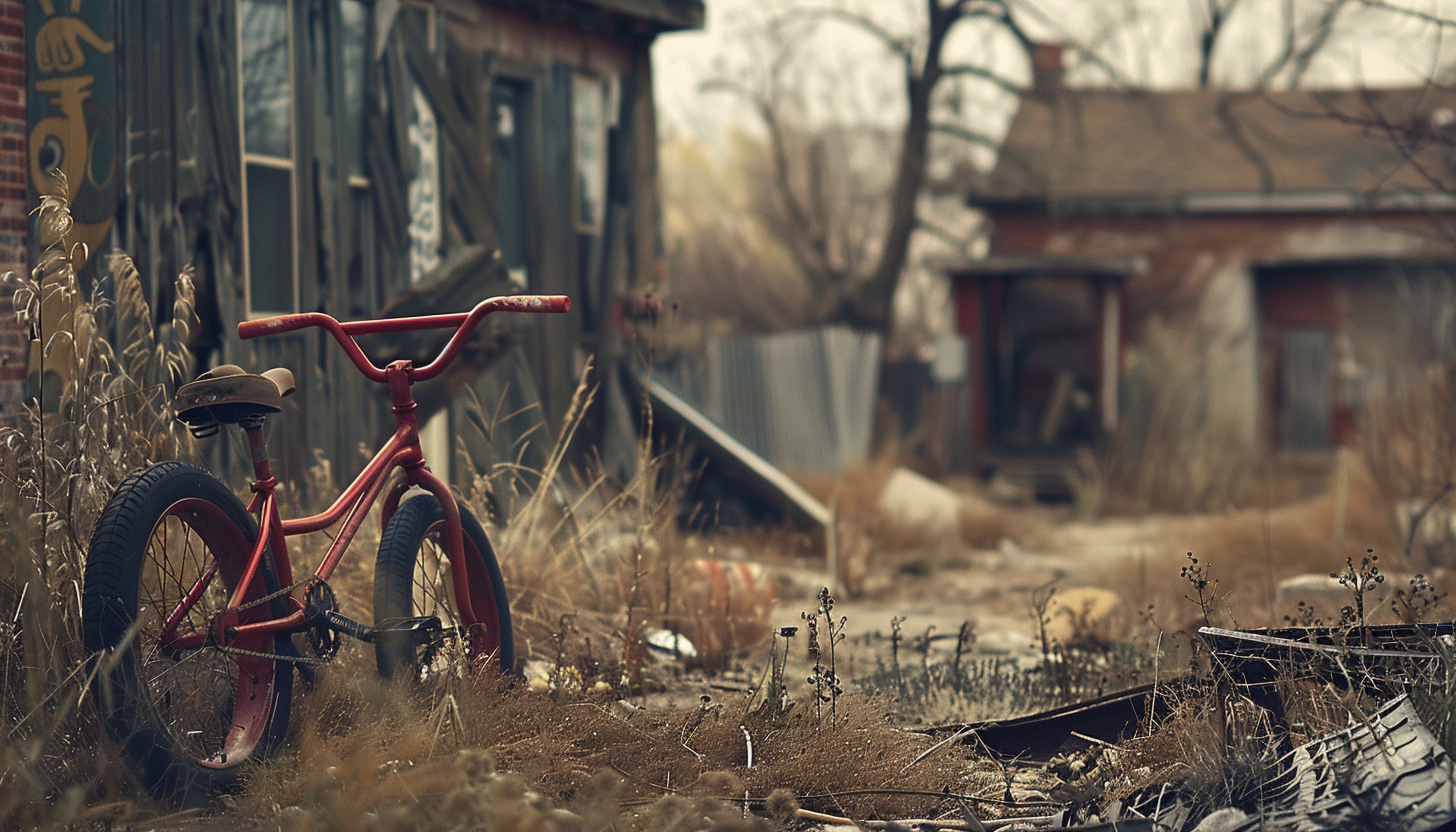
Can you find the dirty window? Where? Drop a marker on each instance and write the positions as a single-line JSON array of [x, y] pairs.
[[267, 82], [267, 89], [509, 100]]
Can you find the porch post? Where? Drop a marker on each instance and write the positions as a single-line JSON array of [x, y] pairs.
[[1111, 349]]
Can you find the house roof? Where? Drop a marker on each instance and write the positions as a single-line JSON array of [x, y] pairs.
[[1204, 151], [656, 15]]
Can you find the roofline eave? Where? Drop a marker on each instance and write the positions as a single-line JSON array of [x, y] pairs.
[[1222, 203]]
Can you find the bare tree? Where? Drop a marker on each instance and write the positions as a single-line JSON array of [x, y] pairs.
[[850, 244], [853, 276]]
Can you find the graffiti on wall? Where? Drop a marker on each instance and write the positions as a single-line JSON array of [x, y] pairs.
[[71, 106], [70, 113]]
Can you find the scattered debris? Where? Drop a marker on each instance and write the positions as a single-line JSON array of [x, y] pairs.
[[1039, 737], [734, 461], [1388, 772], [667, 646], [1380, 659], [913, 501]]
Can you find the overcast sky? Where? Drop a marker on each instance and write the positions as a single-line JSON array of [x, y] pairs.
[[850, 76]]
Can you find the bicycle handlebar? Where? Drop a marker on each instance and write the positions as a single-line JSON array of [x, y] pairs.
[[464, 324]]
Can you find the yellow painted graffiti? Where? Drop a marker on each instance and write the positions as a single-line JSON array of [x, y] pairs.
[[63, 142], [58, 45]]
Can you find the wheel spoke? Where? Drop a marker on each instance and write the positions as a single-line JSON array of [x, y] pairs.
[[190, 692]]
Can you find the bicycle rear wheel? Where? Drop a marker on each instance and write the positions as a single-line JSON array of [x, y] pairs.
[[413, 577], [186, 719]]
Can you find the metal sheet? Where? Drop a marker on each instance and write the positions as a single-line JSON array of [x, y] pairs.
[[804, 401]]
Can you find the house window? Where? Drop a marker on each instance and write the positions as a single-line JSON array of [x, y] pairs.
[[267, 92], [354, 17]]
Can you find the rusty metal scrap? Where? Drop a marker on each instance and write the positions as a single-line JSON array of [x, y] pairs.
[[1386, 772]]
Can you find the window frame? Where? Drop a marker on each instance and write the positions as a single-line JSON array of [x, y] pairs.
[[275, 162]]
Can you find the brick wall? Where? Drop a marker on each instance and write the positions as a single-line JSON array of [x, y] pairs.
[[13, 199]]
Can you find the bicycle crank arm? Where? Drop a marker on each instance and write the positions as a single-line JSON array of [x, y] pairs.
[[423, 629], [340, 623]]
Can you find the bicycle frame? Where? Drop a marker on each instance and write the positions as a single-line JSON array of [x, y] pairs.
[[401, 453]]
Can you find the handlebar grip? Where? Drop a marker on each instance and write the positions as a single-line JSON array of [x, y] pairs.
[[532, 303], [276, 325]]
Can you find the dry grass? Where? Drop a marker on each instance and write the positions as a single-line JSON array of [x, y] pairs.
[[868, 533], [1217, 756], [588, 578], [108, 416], [1252, 550], [1408, 442], [417, 759]]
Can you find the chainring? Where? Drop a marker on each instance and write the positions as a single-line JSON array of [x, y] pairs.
[[319, 601]]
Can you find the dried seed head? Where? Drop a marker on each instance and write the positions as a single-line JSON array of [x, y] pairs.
[[782, 806]]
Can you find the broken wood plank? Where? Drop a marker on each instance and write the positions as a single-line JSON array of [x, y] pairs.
[[756, 474]]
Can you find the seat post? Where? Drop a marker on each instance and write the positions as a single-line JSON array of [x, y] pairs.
[[258, 447]]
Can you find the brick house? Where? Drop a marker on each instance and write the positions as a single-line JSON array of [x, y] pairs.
[[1302, 240]]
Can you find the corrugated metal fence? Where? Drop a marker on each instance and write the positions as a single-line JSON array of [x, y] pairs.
[[804, 401]]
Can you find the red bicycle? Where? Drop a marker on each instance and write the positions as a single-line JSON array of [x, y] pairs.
[[196, 611]]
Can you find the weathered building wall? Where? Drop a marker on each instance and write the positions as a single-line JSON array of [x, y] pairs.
[[410, 133], [1255, 287], [13, 204], [1185, 252]]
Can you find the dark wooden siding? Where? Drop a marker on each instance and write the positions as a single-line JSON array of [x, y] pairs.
[[182, 203]]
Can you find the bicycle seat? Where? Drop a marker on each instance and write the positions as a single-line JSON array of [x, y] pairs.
[[228, 394]]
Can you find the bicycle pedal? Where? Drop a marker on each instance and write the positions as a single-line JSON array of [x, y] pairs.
[[422, 628]]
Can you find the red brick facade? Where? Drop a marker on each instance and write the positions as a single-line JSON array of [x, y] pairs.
[[13, 200]]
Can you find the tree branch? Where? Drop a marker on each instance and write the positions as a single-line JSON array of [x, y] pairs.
[[1090, 55], [1415, 14], [1298, 58], [804, 236], [898, 44], [965, 134], [986, 75]]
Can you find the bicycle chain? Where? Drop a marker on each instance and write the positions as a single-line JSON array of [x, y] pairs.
[[277, 657], [271, 596]]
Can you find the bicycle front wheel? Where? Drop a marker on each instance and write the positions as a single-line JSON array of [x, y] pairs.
[[413, 578], [164, 560]]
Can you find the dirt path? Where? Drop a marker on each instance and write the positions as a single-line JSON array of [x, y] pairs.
[[991, 588]]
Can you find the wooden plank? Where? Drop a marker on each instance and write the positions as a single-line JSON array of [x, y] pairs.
[[555, 337], [755, 473], [1258, 641], [454, 122], [646, 236]]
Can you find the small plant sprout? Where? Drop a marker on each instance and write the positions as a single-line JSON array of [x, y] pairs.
[[895, 638], [1359, 580], [965, 641], [1041, 601], [1200, 578], [1418, 603], [776, 700], [826, 682]]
